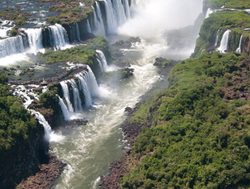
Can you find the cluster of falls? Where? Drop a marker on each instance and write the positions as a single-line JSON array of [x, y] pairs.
[[31, 40], [28, 96], [107, 16], [79, 92], [223, 48]]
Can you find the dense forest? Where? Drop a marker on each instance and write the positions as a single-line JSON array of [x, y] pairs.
[[198, 135]]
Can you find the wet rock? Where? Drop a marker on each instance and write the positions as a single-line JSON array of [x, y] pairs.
[[127, 73], [128, 110], [76, 122]]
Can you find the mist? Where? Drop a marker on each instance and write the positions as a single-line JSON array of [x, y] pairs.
[[168, 28], [153, 17]]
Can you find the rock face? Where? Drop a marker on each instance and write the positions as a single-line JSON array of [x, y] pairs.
[[23, 159], [246, 45], [45, 177]]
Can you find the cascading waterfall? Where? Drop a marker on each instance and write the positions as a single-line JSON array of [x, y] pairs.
[[216, 39], [30, 40], [28, 96], [88, 27], [78, 32], [238, 50], [102, 60], [110, 17], [127, 8], [209, 11], [87, 87], [65, 89], [76, 96], [12, 45], [224, 42], [91, 80], [99, 28], [64, 108], [59, 36], [119, 12], [34, 39]]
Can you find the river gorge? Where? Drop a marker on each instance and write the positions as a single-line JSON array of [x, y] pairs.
[[82, 80]]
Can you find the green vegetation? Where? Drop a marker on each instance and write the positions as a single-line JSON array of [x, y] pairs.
[[198, 138], [69, 11], [16, 15], [79, 54], [236, 21], [240, 4], [15, 121]]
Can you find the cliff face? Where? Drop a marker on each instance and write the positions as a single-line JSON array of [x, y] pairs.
[[246, 45], [23, 158]]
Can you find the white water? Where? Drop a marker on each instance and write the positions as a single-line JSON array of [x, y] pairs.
[[209, 11], [224, 42], [238, 50], [65, 88], [102, 60], [27, 96], [99, 28], [85, 90], [34, 40], [88, 149], [60, 36], [78, 32], [11, 46], [64, 108], [76, 96], [88, 87]]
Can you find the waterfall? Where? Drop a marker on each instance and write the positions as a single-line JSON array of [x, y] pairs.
[[110, 17], [87, 87], [91, 80], [76, 96], [59, 36], [28, 96], [78, 32], [238, 50], [34, 39], [209, 11], [65, 89], [99, 28], [88, 27], [85, 90], [216, 39], [12, 45], [43, 122], [64, 108], [224, 42], [119, 12], [127, 8], [102, 60]]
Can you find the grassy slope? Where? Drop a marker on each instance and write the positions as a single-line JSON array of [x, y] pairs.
[[198, 139], [230, 3], [79, 54], [236, 21]]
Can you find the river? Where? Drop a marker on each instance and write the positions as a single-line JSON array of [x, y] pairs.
[[89, 149]]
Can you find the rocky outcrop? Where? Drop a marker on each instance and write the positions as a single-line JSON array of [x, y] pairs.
[[23, 158], [246, 45], [46, 176]]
